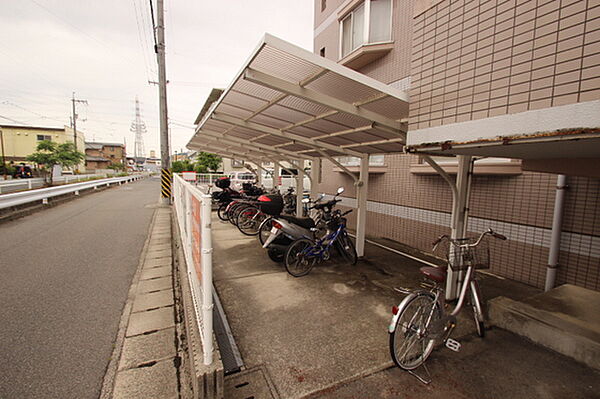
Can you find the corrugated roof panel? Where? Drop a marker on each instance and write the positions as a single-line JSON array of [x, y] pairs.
[[267, 98]]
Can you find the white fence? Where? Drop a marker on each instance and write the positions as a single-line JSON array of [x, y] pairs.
[[285, 181], [42, 194], [7, 186], [193, 211]]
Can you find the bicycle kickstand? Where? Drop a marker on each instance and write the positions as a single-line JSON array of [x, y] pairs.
[[425, 380]]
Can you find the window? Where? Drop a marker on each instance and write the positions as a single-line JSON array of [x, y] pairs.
[[41, 137], [374, 160], [322, 52], [236, 163], [323, 5], [369, 23]]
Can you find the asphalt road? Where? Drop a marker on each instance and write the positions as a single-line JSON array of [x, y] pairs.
[[65, 274]]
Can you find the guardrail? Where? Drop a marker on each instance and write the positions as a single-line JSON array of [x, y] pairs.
[[43, 194], [193, 211], [7, 186]]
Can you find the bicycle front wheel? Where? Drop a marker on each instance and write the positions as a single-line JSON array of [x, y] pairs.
[[410, 343], [249, 220], [345, 247], [477, 305], [221, 212], [297, 261]]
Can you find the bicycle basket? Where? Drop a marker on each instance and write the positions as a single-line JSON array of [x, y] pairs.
[[460, 258]]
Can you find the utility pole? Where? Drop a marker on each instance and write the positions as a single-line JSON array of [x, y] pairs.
[[3, 159], [74, 118], [166, 177]]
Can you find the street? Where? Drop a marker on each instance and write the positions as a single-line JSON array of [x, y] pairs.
[[66, 272]]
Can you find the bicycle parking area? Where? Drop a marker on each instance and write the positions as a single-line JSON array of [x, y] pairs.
[[325, 332]]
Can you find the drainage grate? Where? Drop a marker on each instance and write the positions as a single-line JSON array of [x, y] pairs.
[[250, 384], [230, 354]]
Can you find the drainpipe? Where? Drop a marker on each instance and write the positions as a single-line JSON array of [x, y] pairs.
[[561, 186]]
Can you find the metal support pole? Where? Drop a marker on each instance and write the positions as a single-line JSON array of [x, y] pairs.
[[299, 189], [559, 201], [3, 155], [166, 176], [275, 176], [362, 187], [315, 172], [207, 281], [463, 176]]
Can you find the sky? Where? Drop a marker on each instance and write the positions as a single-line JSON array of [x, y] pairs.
[[103, 51]]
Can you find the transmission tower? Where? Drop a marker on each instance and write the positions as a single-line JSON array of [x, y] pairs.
[[139, 128]]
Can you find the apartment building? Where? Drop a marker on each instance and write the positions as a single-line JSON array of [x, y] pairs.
[[468, 65]]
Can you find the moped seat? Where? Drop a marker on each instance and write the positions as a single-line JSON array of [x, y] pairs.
[[434, 273], [307, 223]]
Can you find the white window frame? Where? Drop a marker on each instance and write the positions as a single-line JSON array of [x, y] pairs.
[[355, 161], [366, 27]]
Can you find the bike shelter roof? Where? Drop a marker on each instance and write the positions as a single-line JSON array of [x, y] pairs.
[[288, 103]]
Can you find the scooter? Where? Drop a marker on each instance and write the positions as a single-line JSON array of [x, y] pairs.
[[284, 229]]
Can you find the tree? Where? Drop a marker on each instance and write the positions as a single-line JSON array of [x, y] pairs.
[[116, 166], [182, 166], [48, 154], [207, 162]]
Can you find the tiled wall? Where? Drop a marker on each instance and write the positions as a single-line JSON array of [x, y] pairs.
[[476, 59], [391, 67], [414, 210], [521, 206]]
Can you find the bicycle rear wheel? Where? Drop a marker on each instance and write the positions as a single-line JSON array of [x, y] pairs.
[[410, 343], [264, 230], [297, 262]]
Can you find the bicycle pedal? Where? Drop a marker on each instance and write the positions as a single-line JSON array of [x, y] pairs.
[[453, 345]]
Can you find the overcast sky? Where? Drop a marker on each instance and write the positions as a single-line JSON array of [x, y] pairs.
[[103, 51]]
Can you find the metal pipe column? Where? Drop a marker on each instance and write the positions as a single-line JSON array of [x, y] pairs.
[[362, 187], [559, 202]]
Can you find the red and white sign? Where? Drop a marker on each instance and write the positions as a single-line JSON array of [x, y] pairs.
[[189, 176]]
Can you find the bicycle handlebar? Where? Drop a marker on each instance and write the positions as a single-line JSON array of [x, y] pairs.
[[455, 241]]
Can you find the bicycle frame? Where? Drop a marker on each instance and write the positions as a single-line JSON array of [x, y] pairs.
[[331, 237]]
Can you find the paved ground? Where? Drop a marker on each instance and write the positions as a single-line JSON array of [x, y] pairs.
[[148, 364], [66, 272], [325, 334]]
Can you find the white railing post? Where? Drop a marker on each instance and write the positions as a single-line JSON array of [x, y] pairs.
[[207, 285], [29, 186]]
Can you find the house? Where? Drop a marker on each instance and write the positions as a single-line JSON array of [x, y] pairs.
[[99, 156], [21, 141]]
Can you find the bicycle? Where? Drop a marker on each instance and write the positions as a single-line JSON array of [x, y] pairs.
[[304, 253], [420, 321]]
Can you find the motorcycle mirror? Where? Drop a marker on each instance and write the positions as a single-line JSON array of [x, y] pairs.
[[340, 190]]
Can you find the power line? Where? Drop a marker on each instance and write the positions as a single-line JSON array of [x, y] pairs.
[[64, 21], [153, 26], [14, 120], [32, 112]]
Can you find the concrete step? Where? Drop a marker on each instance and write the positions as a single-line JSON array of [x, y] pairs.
[[565, 319]]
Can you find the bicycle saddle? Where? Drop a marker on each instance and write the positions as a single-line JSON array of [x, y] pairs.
[[434, 273], [307, 223]]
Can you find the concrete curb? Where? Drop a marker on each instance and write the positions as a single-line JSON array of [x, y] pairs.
[[542, 328], [108, 382], [206, 381]]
